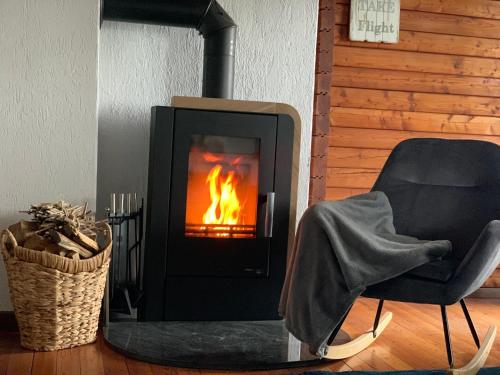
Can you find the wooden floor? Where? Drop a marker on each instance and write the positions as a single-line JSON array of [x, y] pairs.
[[414, 339]]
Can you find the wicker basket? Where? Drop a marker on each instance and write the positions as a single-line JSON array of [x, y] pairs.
[[56, 300]]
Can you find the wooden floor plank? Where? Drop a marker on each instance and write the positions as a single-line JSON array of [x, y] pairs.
[[138, 368], [356, 363], [161, 370], [5, 350], [44, 363], [68, 362], [20, 360], [183, 371], [339, 366], [90, 359], [113, 362]]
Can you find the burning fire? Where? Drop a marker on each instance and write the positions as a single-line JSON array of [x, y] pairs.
[[222, 195], [224, 206]]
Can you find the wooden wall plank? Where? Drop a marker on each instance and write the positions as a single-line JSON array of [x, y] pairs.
[[388, 139], [382, 79], [494, 280], [428, 42], [436, 23], [351, 178], [450, 24], [342, 14], [342, 193], [414, 121], [475, 8], [415, 102], [416, 62], [348, 157]]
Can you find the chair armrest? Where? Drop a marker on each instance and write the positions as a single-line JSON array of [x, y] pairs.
[[479, 263]]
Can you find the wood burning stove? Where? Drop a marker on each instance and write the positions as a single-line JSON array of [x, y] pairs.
[[218, 214]]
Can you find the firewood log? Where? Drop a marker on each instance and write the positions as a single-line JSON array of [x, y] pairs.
[[23, 229], [87, 242], [82, 240], [68, 244], [73, 255], [39, 243]]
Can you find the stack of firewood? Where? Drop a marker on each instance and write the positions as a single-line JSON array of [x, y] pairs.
[[59, 228]]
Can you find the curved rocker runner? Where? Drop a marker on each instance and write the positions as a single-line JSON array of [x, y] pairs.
[[360, 343]]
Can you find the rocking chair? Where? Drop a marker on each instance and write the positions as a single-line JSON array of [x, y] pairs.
[[440, 189]]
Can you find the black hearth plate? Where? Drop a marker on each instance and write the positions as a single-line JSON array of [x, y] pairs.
[[249, 345]]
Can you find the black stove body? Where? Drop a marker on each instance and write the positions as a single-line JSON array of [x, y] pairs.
[[217, 214]]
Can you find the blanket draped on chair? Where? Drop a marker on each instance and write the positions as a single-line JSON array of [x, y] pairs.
[[341, 247]]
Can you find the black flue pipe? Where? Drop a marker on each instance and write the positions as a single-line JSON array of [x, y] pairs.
[[206, 16]]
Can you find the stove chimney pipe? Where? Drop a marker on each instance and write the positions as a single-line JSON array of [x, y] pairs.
[[206, 16]]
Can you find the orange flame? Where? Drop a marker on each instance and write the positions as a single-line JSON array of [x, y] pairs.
[[207, 156], [225, 205]]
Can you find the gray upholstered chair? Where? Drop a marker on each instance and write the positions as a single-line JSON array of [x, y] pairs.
[[444, 189]]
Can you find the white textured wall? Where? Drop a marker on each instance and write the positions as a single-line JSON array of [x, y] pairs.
[[48, 106], [142, 66]]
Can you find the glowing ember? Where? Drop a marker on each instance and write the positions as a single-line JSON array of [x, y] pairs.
[[224, 203]]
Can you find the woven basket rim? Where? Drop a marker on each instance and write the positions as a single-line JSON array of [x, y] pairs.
[[53, 261]]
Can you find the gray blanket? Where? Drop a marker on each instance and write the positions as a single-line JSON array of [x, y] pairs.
[[341, 247]]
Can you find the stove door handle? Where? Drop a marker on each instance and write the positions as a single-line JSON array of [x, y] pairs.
[[269, 218]]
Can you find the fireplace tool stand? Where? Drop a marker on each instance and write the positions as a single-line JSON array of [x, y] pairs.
[[124, 289]]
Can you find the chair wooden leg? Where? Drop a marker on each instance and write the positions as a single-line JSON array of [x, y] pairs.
[[447, 338], [469, 322]]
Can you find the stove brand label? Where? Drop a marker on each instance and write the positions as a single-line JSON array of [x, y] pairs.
[[374, 21]]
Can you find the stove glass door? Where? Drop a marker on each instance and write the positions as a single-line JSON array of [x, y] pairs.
[[222, 189], [222, 173]]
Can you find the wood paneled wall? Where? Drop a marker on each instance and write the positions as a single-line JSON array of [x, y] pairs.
[[441, 80]]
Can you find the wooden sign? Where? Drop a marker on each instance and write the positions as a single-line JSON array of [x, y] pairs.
[[374, 21]]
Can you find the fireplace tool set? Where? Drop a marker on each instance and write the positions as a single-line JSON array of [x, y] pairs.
[[125, 218]]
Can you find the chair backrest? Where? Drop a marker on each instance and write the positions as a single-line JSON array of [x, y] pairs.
[[443, 189]]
